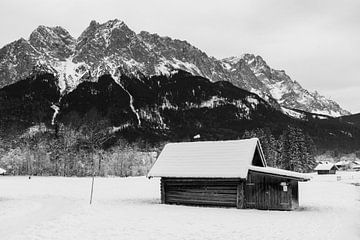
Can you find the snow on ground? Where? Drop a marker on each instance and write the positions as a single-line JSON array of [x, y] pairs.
[[129, 208]]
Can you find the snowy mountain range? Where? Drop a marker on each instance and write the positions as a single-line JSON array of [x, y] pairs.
[[113, 48]]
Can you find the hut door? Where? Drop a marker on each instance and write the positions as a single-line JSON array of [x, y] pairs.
[[257, 195], [250, 195]]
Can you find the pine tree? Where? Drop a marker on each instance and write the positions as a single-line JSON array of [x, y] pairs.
[[297, 150]]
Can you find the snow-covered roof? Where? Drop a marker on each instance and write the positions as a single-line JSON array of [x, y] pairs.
[[324, 166], [2, 171], [357, 162], [280, 172], [207, 159], [342, 163]]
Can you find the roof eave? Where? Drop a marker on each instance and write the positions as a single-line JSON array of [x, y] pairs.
[[282, 175]]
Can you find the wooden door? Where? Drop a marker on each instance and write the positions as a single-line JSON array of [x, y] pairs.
[[250, 195], [267, 196], [257, 195]]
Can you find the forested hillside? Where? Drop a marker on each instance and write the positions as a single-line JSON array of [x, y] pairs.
[[118, 128]]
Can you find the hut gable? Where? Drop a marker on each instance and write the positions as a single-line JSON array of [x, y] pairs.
[[209, 159]]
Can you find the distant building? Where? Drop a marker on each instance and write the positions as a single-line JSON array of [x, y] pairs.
[[356, 165], [2, 171], [224, 173], [343, 164], [325, 168], [356, 162]]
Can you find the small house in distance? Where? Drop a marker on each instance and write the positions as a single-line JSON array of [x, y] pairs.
[[224, 173], [2, 171], [325, 168], [356, 168], [355, 165], [343, 165]]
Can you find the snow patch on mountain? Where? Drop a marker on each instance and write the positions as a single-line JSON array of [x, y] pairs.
[[120, 128], [165, 67], [166, 104], [327, 112], [253, 101], [70, 74], [293, 113], [56, 112], [213, 102]]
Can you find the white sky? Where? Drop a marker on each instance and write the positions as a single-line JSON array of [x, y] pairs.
[[316, 42]]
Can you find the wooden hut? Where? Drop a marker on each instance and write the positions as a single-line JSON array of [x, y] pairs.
[[356, 168], [224, 173], [325, 168]]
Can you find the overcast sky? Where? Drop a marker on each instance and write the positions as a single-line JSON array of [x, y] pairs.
[[316, 42]]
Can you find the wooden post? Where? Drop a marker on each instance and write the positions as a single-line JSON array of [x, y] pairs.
[[240, 196], [93, 176], [92, 188]]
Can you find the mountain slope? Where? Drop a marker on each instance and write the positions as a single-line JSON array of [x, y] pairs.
[[352, 119], [159, 108], [113, 48]]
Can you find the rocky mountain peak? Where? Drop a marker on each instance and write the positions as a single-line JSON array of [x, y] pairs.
[[113, 48], [257, 64], [103, 40], [53, 41], [97, 30]]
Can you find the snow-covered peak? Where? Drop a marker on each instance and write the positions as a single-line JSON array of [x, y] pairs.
[[104, 30], [279, 85], [112, 47], [247, 57], [115, 23], [232, 60]]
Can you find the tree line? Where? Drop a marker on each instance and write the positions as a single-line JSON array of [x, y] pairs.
[[80, 151], [293, 150], [75, 153]]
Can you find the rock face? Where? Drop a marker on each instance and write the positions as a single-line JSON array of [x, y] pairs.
[[287, 92], [113, 48]]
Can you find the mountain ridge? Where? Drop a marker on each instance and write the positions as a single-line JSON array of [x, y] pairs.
[[113, 48]]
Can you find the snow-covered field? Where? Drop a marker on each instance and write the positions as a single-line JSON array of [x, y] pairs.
[[129, 208]]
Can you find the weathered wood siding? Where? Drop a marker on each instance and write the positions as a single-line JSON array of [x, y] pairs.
[[203, 191], [266, 192], [295, 194], [259, 191], [331, 171]]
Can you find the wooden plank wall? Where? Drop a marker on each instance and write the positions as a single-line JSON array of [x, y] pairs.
[[295, 194], [265, 192], [202, 191], [326, 172], [258, 191]]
